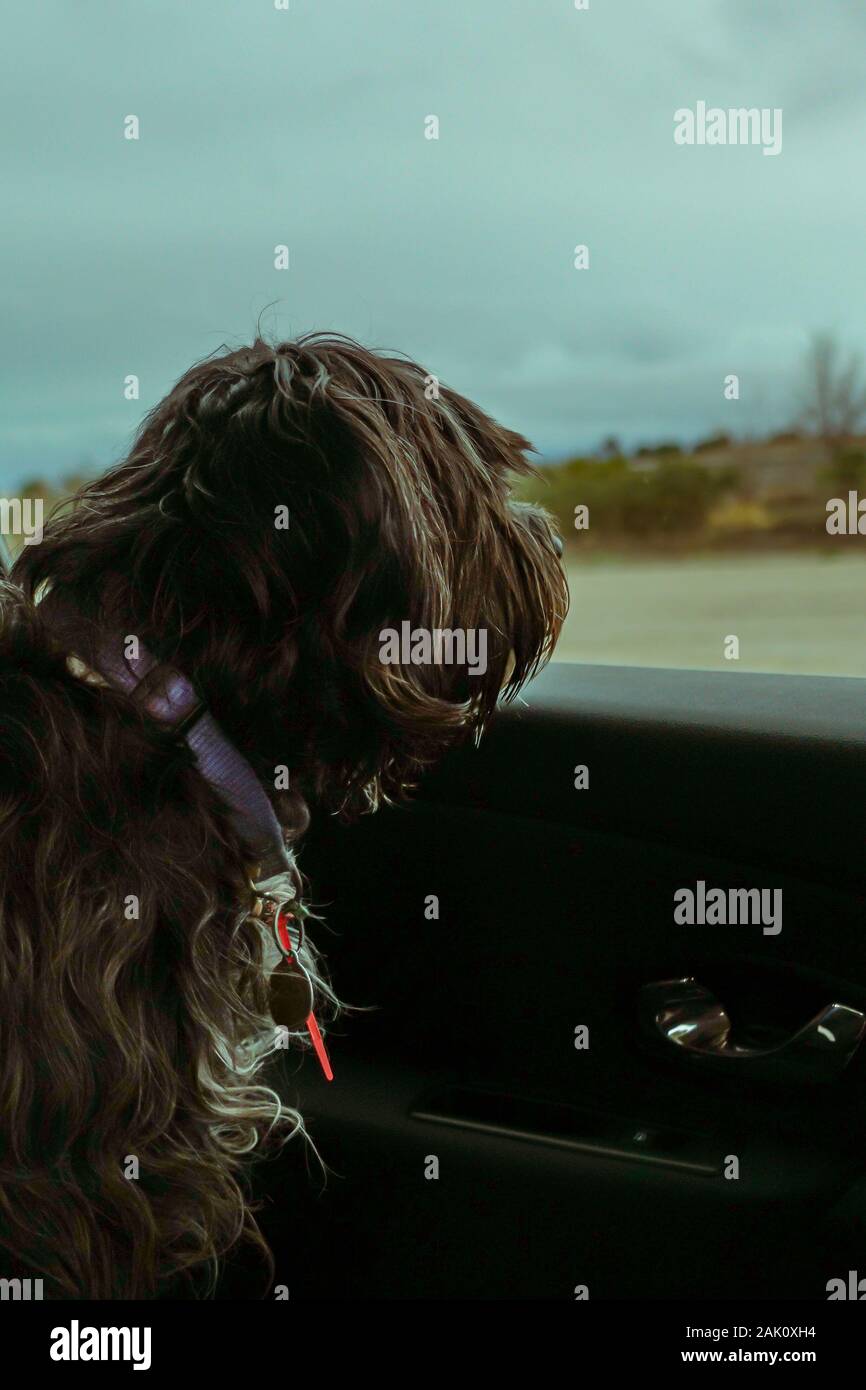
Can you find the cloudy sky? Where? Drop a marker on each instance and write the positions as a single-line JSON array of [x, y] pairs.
[[306, 127]]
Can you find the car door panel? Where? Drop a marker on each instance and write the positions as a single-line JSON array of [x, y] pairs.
[[608, 1164]]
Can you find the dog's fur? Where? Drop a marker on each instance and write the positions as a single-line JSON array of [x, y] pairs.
[[143, 1037]]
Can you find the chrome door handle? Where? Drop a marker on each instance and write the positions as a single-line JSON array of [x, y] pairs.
[[683, 1015]]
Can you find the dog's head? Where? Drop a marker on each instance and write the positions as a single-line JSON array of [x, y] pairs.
[[325, 540]]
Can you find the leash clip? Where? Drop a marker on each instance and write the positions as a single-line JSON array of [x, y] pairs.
[[284, 916]]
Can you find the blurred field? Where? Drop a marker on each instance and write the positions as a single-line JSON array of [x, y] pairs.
[[796, 612]]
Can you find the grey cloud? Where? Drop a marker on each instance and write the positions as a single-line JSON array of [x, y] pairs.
[[260, 127]]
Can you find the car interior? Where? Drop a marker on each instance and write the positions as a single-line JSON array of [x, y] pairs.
[[552, 1089]]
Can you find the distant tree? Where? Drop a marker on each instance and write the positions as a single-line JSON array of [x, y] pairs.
[[833, 393], [672, 498], [647, 451], [846, 471], [682, 493], [719, 440]]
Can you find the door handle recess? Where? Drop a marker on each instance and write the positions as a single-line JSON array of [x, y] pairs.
[[687, 1019]]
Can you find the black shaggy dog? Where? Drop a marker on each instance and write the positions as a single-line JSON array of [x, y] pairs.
[[280, 509]]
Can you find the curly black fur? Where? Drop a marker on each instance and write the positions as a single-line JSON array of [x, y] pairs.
[[143, 1037]]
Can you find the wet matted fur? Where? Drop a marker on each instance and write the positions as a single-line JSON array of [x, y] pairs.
[[146, 1037]]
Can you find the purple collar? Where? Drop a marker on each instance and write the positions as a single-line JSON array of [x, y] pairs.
[[170, 698]]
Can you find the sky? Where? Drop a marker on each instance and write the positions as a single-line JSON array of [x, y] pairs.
[[305, 127]]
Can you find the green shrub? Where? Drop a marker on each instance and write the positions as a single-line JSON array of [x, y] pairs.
[[673, 495]]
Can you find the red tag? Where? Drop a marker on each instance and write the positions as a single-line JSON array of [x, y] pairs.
[[312, 1026]]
